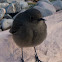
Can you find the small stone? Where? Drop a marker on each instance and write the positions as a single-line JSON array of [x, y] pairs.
[[3, 5], [10, 1], [2, 1], [45, 8], [44, 12], [57, 4], [24, 5], [17, 6], [6, 24], [47, 1], [10, 8], [2, 13], [29, 1]]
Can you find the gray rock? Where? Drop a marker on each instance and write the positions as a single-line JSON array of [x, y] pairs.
[[2, 13], [10, 8], [24, 5], [57, 4], [17, 6], [45, 8], [47, 1], [3, 5], [29, 1], [6, 23], [2, 1], [14, 0]]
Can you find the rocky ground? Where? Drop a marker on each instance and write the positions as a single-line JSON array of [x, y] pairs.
[[49, 51]]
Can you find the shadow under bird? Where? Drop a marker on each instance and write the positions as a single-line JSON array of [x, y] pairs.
[[29, 30]]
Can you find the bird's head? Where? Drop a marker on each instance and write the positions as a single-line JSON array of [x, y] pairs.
[[35, 15]]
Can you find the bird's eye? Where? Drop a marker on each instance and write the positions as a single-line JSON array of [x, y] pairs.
[[32, 18]]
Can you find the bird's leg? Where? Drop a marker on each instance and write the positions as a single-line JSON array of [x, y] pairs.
[[22, 55], [36, 56]]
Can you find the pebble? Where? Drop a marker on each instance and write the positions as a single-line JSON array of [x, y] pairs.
[[10, 8], [24, 5], [17, 6], [2, 1], [2, 13], [47, 1], [3, 5], [45, 8], [6, 24], [57, 4]]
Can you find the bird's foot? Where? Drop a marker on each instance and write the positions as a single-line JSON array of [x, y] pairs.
[[22, 59], [37, 59]]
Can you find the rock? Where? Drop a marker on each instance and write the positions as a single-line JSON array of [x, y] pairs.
[[57, 4], [47, 1], [7, 16], [29, 1], [24, 5], [2, 1], [10, 8], [17, 6], [2, 13], [44, 12], [10, 1], [6, 24], [3, 5], [45, 8]]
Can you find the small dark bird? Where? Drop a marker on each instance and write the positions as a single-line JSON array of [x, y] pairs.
[[29, 30]]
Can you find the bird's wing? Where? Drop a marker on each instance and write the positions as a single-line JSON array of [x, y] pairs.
[[16, 24]]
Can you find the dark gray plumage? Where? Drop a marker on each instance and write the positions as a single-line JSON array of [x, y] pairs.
[[29, 29]]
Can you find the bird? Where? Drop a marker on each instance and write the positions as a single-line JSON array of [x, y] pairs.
[[29, 30]]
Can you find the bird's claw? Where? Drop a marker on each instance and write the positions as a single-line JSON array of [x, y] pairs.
[[22, 60], [37, 59]]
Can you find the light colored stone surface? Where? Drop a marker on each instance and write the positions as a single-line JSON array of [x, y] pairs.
[[47, 1], [10, 8], [2, 1], [17, 6], [14, 0], [45, 8], [49, 51], [3, 5], [24, 5], [57, 4], [2, 13], [6, 23]]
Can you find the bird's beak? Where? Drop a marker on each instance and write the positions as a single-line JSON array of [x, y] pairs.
[[41, 19]]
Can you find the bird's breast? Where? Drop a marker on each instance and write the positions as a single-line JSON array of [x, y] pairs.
[[30, 35]]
